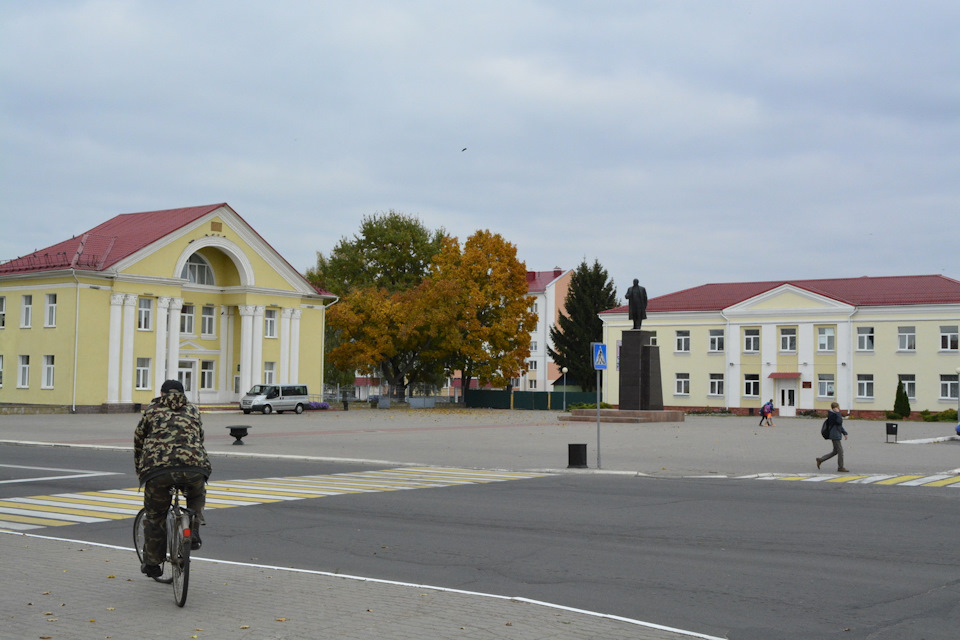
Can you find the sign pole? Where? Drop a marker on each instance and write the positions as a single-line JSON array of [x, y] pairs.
[[598, 418], [598, 352]]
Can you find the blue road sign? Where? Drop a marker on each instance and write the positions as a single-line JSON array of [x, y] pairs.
[[599, 355]]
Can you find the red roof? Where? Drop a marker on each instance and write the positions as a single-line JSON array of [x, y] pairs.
[[857, 292], [538, 280], [108, 243]]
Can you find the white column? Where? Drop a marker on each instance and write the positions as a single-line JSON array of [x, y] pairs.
[[295, 346], [127, 369], [173, 338], [113, 348], [246, 346], [256, 364], [160, 359], [226, 380], [285, 346]]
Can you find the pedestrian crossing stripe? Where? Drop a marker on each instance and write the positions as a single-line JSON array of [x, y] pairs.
[[910, 480], [19, 514]]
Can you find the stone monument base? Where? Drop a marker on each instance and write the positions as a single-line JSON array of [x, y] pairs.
[[640, 385]]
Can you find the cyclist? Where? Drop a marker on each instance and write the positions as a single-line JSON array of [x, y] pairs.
[[168, 451]]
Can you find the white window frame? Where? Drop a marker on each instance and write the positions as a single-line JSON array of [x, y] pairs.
[[533, 346], [532, 365], [49, 370], [681, 384], [751, 385], [50, 311], [716, 384], [751, 341], [144, 314], [865, 339], [143, 373], [1, 371], [909, 381], [188, 319], [269, 373], [532, 384], [906, 338], [826, 385], [208, 321], [949, 338], [270, 323], [3, 312], [683, 341], [23, 372], [716, 340], [949, 386], [208, 373], [865, 388], [788, 340], [826, 339], [26, 311], [198, 271]]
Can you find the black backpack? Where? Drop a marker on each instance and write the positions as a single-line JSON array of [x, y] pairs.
[[825, 429]]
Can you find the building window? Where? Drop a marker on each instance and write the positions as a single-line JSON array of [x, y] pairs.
[[532, 383], [23, 374], [206, 374], [532, 365], [865, 386], [907, 338], [864, 338], [3, 312], [909, 382], [716, 384], [751, 385], [751, 341], [682, 385], [143, 373], [949, 338], [270, 323], [269, 373], [533, 346], [50, 313], [949, 388], [47, 381], [208, 321], [716, 340], [825, 385], [1, 370], [26, 312], [145, 314], [197, 270], [683, 341], [826, 339], [788, 340], [187, 319]]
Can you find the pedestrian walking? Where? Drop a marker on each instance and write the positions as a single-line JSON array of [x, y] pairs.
[[766, 413], [836, 434]]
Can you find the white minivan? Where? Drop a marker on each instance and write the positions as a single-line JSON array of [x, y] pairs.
[[275, 397]]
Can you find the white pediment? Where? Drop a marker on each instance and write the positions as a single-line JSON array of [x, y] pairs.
[[790, 300]]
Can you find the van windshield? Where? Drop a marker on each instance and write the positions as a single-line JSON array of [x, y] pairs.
[[259, 390]]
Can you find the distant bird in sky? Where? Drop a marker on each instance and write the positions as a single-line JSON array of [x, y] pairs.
[[462, 150]]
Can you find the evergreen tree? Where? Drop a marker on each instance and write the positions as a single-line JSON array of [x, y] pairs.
[[591, 291], [901, 405]]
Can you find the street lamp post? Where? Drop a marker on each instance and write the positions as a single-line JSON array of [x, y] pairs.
[[564, 370]]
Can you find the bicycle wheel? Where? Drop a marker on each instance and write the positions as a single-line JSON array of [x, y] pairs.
[[180, 561], [138, 534]]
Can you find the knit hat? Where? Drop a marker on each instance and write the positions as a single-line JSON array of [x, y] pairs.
[[171, 385]]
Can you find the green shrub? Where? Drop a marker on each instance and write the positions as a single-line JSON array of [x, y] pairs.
[[947, 415], [901, 405]]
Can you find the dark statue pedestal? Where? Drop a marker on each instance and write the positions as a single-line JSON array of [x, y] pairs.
[[640, 385]]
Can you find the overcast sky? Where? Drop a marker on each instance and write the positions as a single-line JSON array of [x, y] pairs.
[[679, 143]]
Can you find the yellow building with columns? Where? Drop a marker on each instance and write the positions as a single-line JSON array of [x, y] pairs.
[[99, 321]]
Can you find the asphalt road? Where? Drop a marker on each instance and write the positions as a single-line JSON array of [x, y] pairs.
[[728, 557]]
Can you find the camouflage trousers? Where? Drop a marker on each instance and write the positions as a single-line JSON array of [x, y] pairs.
[[156, 501]]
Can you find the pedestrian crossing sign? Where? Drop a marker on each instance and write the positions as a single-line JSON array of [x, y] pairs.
[[599, 355]]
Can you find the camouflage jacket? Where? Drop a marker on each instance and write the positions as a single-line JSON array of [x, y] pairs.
[[169, 437]]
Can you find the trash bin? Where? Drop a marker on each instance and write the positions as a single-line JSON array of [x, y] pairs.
[[576, 456], [892, 431]]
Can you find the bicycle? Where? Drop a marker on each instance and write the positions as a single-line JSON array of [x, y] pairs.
[[179, 524]]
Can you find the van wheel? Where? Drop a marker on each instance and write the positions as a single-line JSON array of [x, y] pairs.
[[246, 411], [267, 409], [299, 409]]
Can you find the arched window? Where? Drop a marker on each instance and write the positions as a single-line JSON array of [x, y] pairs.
[[197, 270]]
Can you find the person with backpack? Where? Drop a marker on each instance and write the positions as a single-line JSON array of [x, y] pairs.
[[833, 426], [766, 413]]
